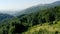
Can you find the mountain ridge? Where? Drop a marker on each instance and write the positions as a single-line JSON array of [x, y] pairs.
[[37, 8]]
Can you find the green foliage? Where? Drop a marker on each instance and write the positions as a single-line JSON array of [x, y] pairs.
[[26, 23]]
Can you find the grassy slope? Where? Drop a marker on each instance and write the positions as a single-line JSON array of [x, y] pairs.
[[44, 29]]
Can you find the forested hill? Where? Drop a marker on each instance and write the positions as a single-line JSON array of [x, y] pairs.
[[46, 21], [24, 24]]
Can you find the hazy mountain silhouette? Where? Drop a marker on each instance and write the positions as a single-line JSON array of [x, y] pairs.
[[37, 8]]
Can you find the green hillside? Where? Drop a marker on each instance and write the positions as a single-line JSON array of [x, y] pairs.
[[45, 21]]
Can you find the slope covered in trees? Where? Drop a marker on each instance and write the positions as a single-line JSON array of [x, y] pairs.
[[41, 21]]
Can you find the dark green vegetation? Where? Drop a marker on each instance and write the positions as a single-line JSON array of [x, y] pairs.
[[4, 17], [25, 23], [46, 21]]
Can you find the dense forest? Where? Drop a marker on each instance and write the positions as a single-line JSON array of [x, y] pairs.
[[45, 21]]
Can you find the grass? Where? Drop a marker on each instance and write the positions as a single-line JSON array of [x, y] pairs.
[[44, 29]]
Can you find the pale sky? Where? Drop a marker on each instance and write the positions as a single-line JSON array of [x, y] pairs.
[[21, 4]]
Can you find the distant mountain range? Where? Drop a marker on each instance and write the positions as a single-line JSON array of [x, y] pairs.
[[32, 9], [37, 8], [29, 10], [5, 16]]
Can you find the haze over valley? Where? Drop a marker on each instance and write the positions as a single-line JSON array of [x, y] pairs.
[[13, 6]]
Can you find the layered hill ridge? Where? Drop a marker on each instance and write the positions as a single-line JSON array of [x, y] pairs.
[[38, 8], [5, 16]]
